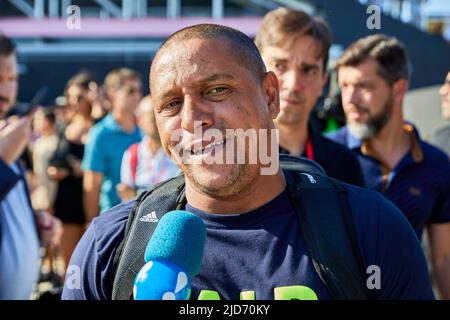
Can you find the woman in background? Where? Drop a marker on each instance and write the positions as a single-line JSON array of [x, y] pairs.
[[65, 166]]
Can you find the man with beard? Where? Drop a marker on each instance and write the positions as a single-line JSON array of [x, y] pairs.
[[212, 77], [295, 47], [373, 77]]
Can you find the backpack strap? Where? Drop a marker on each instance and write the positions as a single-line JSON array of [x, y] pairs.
[[129, 256], [134, 156], [327, 227]]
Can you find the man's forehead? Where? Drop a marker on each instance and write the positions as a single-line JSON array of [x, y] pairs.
[[186, 51], [8, 62], [301, 49], [367, 68], [196, 61]]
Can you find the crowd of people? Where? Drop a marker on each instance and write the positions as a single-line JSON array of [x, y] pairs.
[[70, 172]]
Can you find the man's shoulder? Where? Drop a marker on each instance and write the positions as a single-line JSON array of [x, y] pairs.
[[101, 128], [369, 208], [435, 156], [109, 227]]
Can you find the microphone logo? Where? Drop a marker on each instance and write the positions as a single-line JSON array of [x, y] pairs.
[[171, 281]]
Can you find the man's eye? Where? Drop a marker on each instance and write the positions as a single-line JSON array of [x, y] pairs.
[[172, 104], [279, 67], [310, 71], [217, 90]]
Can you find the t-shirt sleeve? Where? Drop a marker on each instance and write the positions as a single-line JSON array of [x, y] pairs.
[[88, 275], [83, 273], [94, 153], [400, 257]]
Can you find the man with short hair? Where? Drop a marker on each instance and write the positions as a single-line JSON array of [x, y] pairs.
[[295, 45], [108, 140], [212, 78], [19, 224], [144, 164], [373, 76]]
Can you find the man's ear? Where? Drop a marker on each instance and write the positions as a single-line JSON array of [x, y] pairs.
[[272, 93], [399, 89]]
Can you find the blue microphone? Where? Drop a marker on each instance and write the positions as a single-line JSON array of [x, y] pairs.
[[173, 255]]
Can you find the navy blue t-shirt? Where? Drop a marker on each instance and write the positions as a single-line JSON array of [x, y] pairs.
[[261, 254]]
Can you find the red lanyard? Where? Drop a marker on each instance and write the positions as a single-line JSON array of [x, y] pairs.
[[309, 149]]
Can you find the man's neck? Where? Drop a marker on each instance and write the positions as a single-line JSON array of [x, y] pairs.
[[391, 143], [293, 136], [125, 120], [262, 191], [153, 145]]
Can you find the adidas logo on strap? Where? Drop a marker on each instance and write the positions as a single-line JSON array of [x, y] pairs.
[[150, 217], [310, 177]]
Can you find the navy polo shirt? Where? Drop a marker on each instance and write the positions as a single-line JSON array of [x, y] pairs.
[[419, 185]]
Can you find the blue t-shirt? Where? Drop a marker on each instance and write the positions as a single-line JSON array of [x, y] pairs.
[[262, 255], [107, 142], [419, 186]]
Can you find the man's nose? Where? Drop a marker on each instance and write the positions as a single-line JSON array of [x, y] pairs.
[[350, 96], [195, 112], [293, 81]]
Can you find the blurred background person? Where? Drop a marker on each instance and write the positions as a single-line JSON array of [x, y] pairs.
[[65, 165], [22, 229], [441, 137], [145, 163], [109, 139], [295, 46], [374, 75], [44, 147]]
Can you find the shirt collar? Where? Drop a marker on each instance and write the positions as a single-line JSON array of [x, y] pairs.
[[112, 124], [415, 151], [352, 141]]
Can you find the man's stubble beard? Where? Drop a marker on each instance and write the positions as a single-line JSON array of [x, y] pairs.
[[373, 125]]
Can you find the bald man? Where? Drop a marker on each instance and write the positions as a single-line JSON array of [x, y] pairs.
[[144, 164]]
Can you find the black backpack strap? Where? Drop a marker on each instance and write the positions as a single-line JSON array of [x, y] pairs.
[[149, 208], [327, 227], [300, 164]]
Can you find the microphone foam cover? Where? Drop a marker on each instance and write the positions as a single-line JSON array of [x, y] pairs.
[[180, 239]]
